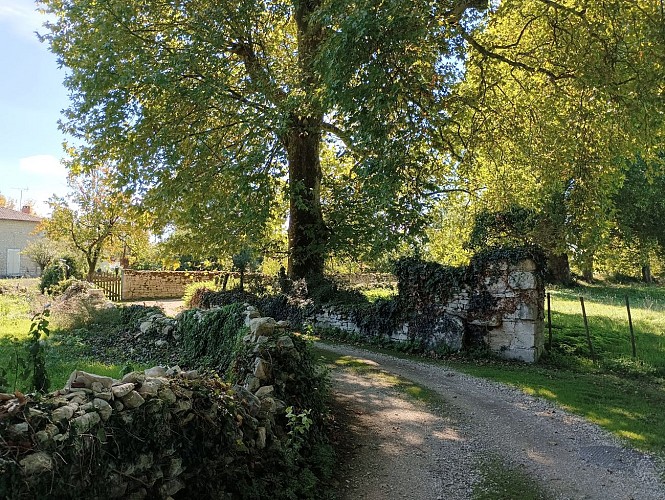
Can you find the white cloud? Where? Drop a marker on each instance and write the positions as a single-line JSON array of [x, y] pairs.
[[46, 165]]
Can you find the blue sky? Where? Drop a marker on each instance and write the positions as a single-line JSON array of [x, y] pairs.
[[31, 97]]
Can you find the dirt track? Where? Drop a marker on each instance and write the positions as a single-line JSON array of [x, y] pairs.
[[406, 449]]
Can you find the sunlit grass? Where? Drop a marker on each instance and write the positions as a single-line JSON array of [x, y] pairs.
[[609, 328], [61, 358]]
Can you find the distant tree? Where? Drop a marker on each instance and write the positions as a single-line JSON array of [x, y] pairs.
[[43, 251], [7, 202], [91, 217], [640, 209]]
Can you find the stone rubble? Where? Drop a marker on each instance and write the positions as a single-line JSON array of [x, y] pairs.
[[92, 405]]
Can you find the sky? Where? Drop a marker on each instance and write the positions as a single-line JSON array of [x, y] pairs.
[[31, 98]]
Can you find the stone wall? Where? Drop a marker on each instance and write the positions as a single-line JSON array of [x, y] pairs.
[[501, 308], [160, 432], [161, 284], [171, 284]]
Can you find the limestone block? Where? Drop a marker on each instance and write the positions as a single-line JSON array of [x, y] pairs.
[[150, 388], [499, 339], [524, 311], [132, 400], [166, 394], [521, 280], [121, 390], [527, 265], [37, 463], [155, 371], [80, 379], [133, 377], [63, 413], [448, 331], [252, 383], [48, 433], [262, 326], [264, 391], [103, 408], [261, 369], [285, 342], [191, 375], [85, 422]]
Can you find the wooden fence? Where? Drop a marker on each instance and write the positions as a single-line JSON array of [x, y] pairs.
[[111, 283]]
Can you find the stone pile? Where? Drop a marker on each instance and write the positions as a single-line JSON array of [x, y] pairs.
[[102, 420]]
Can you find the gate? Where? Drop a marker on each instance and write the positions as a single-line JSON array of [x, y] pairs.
[[111, 283]]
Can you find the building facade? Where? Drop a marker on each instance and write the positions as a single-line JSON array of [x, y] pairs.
[[17, 229]]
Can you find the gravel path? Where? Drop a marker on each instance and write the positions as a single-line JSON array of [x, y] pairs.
[[405, 449]]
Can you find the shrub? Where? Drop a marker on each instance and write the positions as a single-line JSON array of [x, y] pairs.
[[58, 271]]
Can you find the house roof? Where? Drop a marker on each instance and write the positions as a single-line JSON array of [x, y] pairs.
[[9, 214]]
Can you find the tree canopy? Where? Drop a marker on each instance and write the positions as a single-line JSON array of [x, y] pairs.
[[357, 116]]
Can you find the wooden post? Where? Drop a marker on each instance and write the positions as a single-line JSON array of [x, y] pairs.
[[630, 324], [549, 322], [586, 326]]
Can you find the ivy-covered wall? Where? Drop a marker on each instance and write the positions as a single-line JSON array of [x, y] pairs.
[[252, 428], [497, 302]]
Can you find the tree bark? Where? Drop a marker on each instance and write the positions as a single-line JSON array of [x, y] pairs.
[[307, 231], [558, 269], [308, 235]]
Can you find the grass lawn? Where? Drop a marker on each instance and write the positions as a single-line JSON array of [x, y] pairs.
[[63, 356]]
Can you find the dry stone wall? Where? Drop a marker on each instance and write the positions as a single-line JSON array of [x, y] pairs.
[[501, 308], [171, 284], [161, 284], [157, 433]]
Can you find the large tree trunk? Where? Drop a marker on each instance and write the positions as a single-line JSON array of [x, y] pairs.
[[558, 269], [307, 231]]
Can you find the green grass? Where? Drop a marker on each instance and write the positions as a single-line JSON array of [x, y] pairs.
[[501, 482], [621, 394], [62, 357], [629, 408], [609, 328], [379, 293]]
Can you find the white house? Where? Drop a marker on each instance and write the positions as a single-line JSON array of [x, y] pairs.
[[17, 229]]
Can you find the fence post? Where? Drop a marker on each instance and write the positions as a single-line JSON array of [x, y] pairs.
[[586, 326], [630, 324], [549, 322]]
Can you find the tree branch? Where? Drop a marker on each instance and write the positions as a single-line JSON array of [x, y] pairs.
[[516, 64], [256, 72]]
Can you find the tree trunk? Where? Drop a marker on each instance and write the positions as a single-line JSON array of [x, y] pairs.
[[558, 269], [308, 235], [307, 231], [646, 273], [587, 271]]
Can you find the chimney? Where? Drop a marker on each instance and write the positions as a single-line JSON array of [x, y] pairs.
[[26, 209]]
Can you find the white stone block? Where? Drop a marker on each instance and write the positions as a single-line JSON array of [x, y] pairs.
[[521, 280]]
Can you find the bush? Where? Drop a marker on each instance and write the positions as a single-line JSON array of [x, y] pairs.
[[58, 271]]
